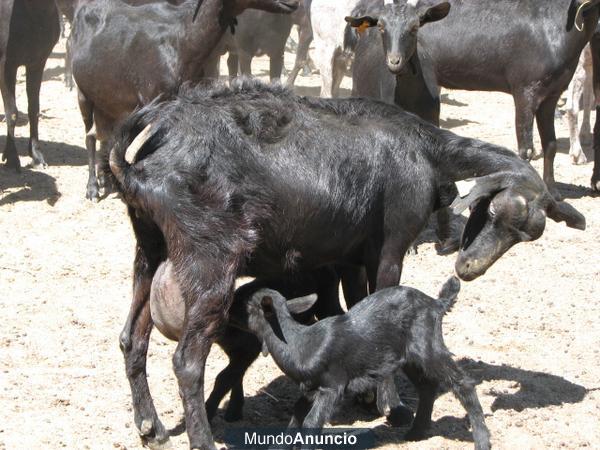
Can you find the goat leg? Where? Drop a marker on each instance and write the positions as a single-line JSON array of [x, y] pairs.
[[426, 390], [34, 82], [390, 405], [7, 87]]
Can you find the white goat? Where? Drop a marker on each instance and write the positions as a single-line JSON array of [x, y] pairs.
[[327, 19], [580, 95]]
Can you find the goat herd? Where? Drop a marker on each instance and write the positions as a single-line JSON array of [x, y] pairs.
[[303, 194]]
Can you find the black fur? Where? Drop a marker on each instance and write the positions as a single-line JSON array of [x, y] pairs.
[[395, 328], [253, 180], [478, 46]]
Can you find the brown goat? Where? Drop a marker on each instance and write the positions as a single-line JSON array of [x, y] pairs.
[[125, 56], [19, 46]]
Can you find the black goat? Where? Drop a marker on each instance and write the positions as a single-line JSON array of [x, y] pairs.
[[459, 53], [168, 312], [253, 180], [595, 45], [67, 8], [125, 56], [259, 33], [395, 328], [28, 33]]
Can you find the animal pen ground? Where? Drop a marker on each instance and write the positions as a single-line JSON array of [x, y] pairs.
[[527, 331]]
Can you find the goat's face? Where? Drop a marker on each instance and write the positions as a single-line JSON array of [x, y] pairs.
[[398, 26], [505, 210]]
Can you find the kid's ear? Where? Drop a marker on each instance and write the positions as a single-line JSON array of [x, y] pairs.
[[267, 304], [301, 304]]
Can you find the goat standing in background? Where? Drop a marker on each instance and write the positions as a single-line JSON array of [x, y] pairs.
[[125, 56], [28, 32], [394, 328]]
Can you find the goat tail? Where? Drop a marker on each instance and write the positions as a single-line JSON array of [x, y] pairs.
[[449, 293]]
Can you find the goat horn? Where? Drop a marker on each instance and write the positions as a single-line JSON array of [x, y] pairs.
[[578, 15], [137, 144]]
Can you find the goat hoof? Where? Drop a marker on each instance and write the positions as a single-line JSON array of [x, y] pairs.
[[233, 416], [92, 193], [400, 416], [447, 247], [414, 435], [595, 185], [157, 443], [537, 154], [12, 163], [578, 159], [154, 436]]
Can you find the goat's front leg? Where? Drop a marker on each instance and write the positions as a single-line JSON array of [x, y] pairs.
[[426, 391], [464, 389], [207, 293], [323, 405], [134, 341], [242, 349], [390, 405]]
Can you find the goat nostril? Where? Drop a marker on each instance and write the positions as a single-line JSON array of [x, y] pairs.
[[393, 61]]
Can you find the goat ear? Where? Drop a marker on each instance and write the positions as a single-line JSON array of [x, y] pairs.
[[267, 304], [435, 13], [301, 304], [563, 212], [361, 23], [484, 187]]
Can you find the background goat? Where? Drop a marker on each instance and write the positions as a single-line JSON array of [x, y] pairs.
[[27, 35], [411, 63], [159, 46]]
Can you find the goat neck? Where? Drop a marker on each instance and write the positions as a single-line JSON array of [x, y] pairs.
[[459, 158], [202, 35]]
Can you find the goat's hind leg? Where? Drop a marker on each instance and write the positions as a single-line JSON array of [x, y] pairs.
[[426, 390], [8, 81], [242, 349], [87, 114], [34, 82], [464, 389], [323, 405], [134, 338]]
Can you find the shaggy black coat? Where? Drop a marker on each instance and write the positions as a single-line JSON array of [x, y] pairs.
[[253, 180], [394, 328]]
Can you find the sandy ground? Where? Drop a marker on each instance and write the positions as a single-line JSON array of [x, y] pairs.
[[527, 331]]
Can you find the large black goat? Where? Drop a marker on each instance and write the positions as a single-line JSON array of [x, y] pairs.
[[394, 328], [28, 33], [124, 56], [168, 313], [255, 180], [478, 46]]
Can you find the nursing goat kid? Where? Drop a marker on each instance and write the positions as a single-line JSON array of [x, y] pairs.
[[395, 328], [254, 180]]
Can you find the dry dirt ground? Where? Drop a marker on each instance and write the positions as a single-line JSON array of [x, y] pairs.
[[527, 331]]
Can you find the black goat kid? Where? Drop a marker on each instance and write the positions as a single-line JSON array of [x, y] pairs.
[[395, 328]]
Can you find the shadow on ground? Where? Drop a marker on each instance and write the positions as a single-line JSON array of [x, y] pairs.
[[55, 153], [272, 406], [27, 186]]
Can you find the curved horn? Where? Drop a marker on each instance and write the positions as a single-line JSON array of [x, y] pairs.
[[137, 144]]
